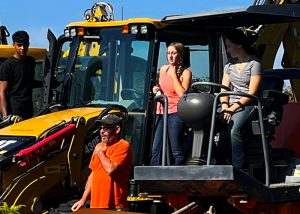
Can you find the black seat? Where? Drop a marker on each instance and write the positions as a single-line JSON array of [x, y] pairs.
[[272, 100]]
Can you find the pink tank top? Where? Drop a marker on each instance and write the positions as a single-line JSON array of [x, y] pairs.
[[167, 87]]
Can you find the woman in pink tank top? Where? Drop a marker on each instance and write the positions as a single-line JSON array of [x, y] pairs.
[[174, 81]]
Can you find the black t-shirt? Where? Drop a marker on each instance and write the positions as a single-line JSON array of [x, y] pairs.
[[20, 77]]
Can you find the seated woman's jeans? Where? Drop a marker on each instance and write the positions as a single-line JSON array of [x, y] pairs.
[[236, 124], [175, 135]]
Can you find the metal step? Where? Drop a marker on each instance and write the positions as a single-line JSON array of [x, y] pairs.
[[211, 181]]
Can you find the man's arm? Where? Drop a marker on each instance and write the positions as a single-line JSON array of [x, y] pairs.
[[108, 165], [85, 196], [3, 103]]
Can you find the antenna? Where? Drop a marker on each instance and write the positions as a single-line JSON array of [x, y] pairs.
[[122, 13]]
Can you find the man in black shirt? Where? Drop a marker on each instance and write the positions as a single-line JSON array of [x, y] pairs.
[[16, 79]]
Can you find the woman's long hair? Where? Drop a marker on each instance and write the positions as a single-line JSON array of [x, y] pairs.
[[181, 56], [238, 37]]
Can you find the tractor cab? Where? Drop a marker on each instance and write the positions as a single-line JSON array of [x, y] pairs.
[[105, 63]]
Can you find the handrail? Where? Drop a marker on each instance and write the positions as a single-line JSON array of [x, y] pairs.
[[163, 99], [31, 153], [260, 116], [210, 84]]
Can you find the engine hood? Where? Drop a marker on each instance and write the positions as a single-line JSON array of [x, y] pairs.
[[35, 126]]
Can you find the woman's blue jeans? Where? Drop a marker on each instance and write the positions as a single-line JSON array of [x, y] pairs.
[[236, 125], [175, 135]]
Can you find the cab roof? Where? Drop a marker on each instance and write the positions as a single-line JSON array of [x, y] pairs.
[[117, 23], [253, 15]]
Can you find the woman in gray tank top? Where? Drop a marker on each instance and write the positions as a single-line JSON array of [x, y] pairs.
[[243, 74]]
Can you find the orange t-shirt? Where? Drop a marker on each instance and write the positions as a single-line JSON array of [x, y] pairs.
[[167, 87], [111, 191]]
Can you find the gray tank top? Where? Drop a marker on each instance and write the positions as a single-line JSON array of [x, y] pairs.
[[240, 81]]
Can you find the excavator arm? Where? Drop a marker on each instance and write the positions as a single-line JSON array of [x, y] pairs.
[[3, 35]]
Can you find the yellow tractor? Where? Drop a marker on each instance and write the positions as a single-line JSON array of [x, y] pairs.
[[101, 63]]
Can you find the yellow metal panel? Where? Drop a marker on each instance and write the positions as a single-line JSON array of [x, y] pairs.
[[7, 51], [271, 38], [37, 53], [36, 126]]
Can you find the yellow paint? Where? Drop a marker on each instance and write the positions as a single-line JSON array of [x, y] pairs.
[[82, 49], [154, 22], [43, 177], [7, 51], [280, 2], [55, 169], [94, 50], [36, 126], [3, 152]]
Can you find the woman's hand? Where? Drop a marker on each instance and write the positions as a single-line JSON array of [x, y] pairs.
[[227, 114], [156, 89]]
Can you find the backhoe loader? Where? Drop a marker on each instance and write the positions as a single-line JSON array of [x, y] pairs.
[[100, 63]]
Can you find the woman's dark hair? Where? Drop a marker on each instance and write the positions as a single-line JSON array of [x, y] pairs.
[[238, 37]]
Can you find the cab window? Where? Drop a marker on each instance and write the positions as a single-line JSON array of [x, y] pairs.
[[199, 60]]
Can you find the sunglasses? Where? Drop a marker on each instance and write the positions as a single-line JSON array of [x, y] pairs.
[[107, 128]]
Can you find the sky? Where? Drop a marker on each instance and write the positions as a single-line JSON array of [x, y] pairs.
[[37, 16]]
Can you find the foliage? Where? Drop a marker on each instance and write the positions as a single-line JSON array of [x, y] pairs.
[[14, 209], [287, 89]]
